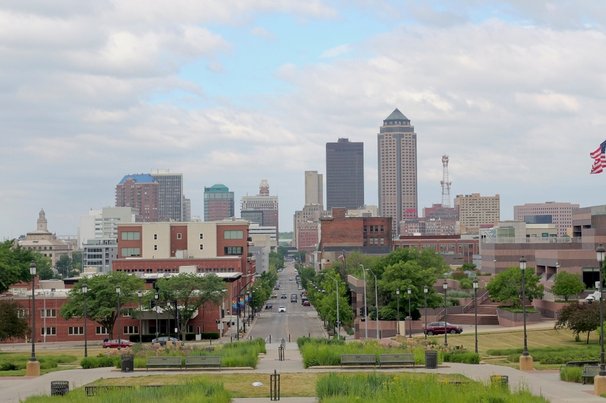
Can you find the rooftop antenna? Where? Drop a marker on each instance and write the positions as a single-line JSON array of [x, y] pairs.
[[445, 182]]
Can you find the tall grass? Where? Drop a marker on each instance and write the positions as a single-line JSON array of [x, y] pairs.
[[317, 352], [18, 362], [552, 355], [571, 374], [384, 388], [193, 392]]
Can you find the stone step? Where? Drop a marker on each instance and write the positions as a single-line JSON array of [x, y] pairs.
[[469, 319]]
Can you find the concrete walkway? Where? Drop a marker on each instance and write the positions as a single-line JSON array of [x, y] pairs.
[[544, 383]]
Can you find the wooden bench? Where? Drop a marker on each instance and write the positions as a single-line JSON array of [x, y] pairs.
[[589, 372], [358, 359], [397, 359], [206, 361], [581, 363], [164, 362]]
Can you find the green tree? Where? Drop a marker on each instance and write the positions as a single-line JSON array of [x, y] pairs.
[[325, 299], [506, 287], [63, 266], [182, 295], [567, 284], [102, 299], [11, 325], [15, 262], [579, 318]]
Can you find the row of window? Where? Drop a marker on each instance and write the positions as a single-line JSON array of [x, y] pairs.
[[79, 330]]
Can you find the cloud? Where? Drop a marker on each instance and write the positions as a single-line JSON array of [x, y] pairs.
[[336, 51]]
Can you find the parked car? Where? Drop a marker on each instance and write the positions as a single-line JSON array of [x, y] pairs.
[[163, 340], [441, 328], [282, 309], [116, 343], [305, 302], [283, 296]]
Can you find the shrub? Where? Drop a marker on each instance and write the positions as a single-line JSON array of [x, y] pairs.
[[8, 366], [100, 362], [571, 374], [466, 357]]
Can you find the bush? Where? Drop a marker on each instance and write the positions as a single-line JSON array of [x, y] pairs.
[[8, 366], [551, 355], [466, 357], [100, 361], [571, 374]]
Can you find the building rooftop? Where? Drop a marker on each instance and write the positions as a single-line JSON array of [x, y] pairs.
[[139, 178], [396, 115]]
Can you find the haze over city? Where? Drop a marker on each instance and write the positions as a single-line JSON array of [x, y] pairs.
[[239, 91]]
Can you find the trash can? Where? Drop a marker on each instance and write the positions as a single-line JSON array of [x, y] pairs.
[[431, 359], [59, 388], [127, 362], [500, 380]]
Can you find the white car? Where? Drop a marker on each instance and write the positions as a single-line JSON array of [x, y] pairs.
[[282, 309]]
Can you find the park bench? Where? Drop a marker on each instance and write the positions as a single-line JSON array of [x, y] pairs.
[[397, 359], [164, 362], [358, 359], [581, 363], [589, 372], [202, 361]]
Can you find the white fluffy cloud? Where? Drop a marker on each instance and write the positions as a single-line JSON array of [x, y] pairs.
[[91, 92]]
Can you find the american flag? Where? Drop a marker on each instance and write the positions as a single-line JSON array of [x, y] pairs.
[[599, 159]]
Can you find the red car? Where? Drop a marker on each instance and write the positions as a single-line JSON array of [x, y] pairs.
[[305, 302], [116, 343], [441, 328]]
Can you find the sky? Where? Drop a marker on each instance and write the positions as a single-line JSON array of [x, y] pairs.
[[238, 91]]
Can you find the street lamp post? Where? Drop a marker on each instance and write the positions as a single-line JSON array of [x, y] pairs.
[[398, 311], [475, 311], [525, 358], [365, 305], [139, 295], [376, 304], [445, 287], [337, 295], [600, 254], [409, 314], [156, 298], [33, 365], [119, 337], [84, 290], [425, 291]]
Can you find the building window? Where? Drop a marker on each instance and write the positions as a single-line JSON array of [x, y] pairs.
[[155, 236], [131, 330], [201, 236], [126, 252], [131, 236], [155, 247], [179, 235], [101, 330], [49, 331], [232, 250], [201, 246], [50, 313], [75, 330], [233, 234], [22, 313]]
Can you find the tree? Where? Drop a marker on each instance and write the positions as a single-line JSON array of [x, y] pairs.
[[63, 265], [325, 299], [506, 287], [11, 325], [182, 295], [15, 262], [567, 284], [579, 318], [102, 299]]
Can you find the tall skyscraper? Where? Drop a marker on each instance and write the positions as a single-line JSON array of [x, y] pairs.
[[218, 203], [139, 191], [397, 146], [262, 208], [344, 174], [314, 188], [170, 195]]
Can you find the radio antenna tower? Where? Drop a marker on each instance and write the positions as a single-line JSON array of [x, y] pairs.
[[445, 182]]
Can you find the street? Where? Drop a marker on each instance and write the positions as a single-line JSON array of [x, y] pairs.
[[297, 321]]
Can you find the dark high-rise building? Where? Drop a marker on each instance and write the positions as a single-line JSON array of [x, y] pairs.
[[218, 203], [397, 146], [139, 191], [344, 174], [170, 196]]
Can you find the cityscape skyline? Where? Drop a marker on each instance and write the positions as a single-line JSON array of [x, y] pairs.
[[511, 92]]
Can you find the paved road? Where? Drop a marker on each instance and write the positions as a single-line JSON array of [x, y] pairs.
[[298, 320]]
